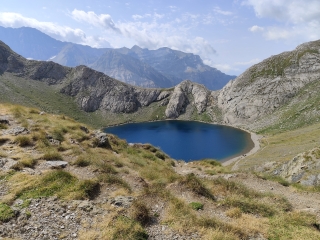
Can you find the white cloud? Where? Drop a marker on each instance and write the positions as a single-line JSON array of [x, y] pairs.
[[218, 10], [150, 35], [296, 18], [256, 28], [102, 20], [248, 63], [64, 33], [226, 68], [138, 17]]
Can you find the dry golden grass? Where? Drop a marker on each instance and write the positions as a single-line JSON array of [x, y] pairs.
[[283, 146]]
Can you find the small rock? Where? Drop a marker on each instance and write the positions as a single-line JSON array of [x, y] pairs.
[[56, 164]]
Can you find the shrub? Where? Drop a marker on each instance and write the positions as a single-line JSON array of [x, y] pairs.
[[196, 206], [23, 141], [6, 213]]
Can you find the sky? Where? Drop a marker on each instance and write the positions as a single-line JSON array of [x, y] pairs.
[[230, 35]]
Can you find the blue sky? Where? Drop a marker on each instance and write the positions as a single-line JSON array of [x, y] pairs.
[[230, 35]]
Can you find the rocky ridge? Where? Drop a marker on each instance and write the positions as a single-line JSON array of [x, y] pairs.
[[269, 85]]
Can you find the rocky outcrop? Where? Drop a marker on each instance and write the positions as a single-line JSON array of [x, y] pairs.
[[303, 168], [94, 90], [181, 98], [266, 86]]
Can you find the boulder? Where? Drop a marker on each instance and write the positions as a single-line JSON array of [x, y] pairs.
[[101, 140]]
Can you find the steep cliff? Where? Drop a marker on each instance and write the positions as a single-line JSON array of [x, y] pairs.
[[269, 85]]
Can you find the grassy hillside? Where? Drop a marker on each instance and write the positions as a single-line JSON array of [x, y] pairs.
[[154, 194]]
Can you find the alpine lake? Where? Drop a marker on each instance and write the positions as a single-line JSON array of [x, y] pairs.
[[187, 140]]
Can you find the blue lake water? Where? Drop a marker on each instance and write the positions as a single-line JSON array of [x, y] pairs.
[[187, 140]]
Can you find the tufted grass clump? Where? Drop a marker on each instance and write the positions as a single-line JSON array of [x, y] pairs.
[[195, 185], [6, 213], [234, 212], [28, 162], [82, 161], [114, 180], [3, 126], [140, 212], [51, 155], [160, 155], [126, 228], [196, 206], [250, 206], [23, 141]]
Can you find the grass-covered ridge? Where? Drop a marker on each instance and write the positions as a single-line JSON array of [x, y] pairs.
[[182, 203]]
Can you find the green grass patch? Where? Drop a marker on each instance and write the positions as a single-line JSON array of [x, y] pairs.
[[196, 206], [126, 228], [294, 225], [274, 178], [59, 183], [6, 213]]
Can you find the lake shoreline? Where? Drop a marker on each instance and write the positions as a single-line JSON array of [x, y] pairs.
[[252, 146], [255, 146]]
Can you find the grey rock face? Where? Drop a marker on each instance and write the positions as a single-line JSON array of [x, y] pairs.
[[303, 168], [179, 98], [94, 90], [266, 86]]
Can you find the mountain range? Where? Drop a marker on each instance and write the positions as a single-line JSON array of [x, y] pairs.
[[163, 67]]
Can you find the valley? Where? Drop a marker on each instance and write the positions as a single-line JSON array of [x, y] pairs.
[[61, 178]]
